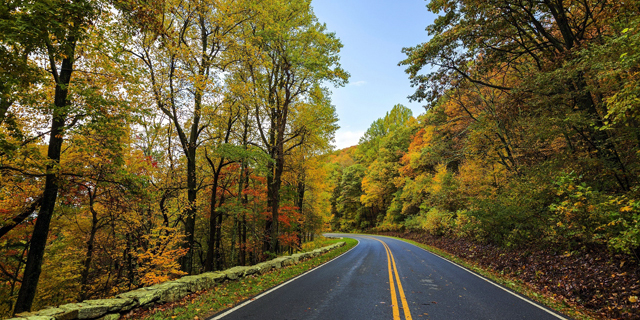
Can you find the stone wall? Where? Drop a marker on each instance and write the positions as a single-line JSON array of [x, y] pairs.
[[112, 308]]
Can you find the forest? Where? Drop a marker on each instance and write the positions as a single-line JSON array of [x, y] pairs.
[[145, 140], [141, 141], [531, 133], [530, 142]]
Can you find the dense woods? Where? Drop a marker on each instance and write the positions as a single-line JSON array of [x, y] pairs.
[[530, 132], [530, 138], [142, 141], [145, 140]]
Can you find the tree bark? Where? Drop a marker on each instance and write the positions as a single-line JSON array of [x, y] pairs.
[[190, 212], [35, 256], [218, 241], [84, 277], [213, 219]]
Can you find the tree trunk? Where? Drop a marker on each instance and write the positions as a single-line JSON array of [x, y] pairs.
[[239, 220], [84, 277], [192, 184], [190, 213], [217, 253], [213, 228], [35, 256], [606, 150]]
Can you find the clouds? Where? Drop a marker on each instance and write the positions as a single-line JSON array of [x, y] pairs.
[[345, 139], [358, 83]]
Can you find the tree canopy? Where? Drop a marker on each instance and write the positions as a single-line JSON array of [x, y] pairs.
[[141, 142]]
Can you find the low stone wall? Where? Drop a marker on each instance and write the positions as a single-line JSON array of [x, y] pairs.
[[170, 291]]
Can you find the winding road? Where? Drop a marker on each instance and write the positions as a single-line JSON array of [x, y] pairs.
[[385, 278]]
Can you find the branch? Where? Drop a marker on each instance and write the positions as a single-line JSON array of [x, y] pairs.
[[52, 63], [26, 212], [466, 76], [22, 171]]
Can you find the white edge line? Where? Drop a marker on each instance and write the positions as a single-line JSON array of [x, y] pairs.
[[491, 282], [278, 287]]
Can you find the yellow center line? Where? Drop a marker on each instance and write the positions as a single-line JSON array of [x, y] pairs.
[[394, 299], [405, 305]]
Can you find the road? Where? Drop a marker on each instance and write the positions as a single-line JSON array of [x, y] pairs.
[[384, 278]]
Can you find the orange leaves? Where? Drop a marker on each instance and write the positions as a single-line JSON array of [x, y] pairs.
[[410, 161], [157, 260], [288, 215], [290, 239]]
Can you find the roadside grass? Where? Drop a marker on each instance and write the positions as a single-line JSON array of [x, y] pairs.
[[231, 293], [512, 283]]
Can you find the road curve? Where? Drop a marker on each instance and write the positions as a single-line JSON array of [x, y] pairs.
[[385, 278]]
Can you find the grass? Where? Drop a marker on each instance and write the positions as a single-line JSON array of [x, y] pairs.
[[512, 283], [226, 295]]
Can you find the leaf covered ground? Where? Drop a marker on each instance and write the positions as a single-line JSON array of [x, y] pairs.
[[603, 285]]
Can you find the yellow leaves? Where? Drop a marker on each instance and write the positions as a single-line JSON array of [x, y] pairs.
[[438, 178], [626, 209], [633, 299]]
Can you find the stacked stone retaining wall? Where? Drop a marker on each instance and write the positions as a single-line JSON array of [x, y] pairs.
[[170, 291]]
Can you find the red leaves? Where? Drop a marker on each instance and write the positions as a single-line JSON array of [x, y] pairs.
[[287, 215], [289, 239]]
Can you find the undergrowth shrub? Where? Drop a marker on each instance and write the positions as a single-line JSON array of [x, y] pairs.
[[435, 221], [584, 215]]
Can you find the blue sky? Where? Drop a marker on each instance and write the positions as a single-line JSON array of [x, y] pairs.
[[373, 33]]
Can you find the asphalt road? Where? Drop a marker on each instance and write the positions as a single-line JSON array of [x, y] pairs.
[[384, 278]]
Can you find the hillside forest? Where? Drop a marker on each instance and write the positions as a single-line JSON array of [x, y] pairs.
[[530, 142], [531, 134], [145, 140], [141, 141]]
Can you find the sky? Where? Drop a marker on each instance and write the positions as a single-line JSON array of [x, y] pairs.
[[373, 33]]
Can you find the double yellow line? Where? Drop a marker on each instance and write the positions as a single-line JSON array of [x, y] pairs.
[[394, 298]]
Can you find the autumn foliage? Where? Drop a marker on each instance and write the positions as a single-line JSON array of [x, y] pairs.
[[530, 140], [139, 141]]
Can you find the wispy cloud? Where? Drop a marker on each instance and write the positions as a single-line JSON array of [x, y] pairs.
[[345, 139], [358, 83]]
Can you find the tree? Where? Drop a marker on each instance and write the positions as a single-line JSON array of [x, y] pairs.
[[491, 43], [380, 181], [184, 61], [369, 144], [348, 202], [104, 158], [224, 155], [294, 53], [55, 28]]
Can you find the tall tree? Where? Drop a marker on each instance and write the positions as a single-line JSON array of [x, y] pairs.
[[184, 61], [55, 28], [491, 43], [294, 54]]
